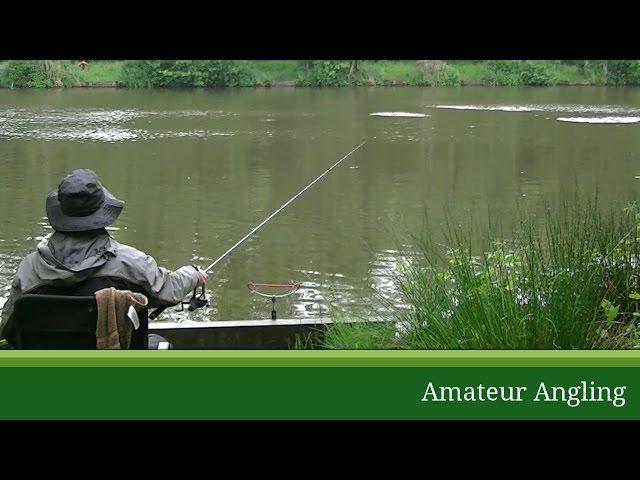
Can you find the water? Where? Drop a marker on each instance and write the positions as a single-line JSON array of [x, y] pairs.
[[198, 169]]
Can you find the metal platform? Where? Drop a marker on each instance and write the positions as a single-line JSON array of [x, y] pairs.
[[242, 334]]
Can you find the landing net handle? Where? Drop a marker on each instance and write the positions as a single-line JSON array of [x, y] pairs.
[[254, 288]]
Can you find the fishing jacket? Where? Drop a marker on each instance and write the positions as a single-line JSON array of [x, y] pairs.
[[83, 262]]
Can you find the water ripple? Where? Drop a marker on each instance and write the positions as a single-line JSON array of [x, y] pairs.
[[599, 119], [99, 125], [568, 108]]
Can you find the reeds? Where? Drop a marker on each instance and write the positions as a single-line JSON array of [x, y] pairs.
[[569, 282]]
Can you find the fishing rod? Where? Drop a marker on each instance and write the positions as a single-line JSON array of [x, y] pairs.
[[199, 299]]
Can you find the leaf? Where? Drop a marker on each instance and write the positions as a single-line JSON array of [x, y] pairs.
[[610, 310], [634, 296]]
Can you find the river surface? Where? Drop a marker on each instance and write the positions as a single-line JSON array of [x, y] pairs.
[[199, 168]]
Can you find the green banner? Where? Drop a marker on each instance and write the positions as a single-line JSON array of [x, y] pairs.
[[320, 385]]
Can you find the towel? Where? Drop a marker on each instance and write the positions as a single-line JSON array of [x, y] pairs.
[[113, 328]]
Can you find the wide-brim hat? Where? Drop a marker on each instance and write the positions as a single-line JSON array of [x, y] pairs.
[[81, 203]]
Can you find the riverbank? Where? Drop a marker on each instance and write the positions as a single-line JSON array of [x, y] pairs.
[[570, 285], [292, 73]]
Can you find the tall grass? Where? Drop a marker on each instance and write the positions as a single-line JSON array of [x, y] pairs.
[[472, 72], [351, 331], [571, 74], [572, 284], [389, 72], [269, 71], [100, 71]]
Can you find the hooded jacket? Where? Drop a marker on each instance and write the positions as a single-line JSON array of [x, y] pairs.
[[63, 260]]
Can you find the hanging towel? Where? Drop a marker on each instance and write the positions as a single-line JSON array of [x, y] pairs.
[[114, 328]]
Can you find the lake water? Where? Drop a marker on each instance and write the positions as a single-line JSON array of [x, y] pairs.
[[199, 168]]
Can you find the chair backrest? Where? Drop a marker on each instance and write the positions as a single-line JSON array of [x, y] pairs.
[[59, 322]]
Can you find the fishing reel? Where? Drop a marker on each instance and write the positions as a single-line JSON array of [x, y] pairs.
[[197, 300]]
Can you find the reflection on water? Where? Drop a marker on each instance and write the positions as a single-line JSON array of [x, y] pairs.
[[93, 125], [545, 108], [384, 274], [399, 114], [600, 119], [199, 168], [597, 109], [8, 265]]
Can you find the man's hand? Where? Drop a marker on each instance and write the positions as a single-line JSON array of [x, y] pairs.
[[202, 276]]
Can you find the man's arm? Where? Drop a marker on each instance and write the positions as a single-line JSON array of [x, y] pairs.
[[166, 286]]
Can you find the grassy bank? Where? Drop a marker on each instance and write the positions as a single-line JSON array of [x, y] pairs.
[[571, 285], [101, 72], [246, 73], [57, 73]]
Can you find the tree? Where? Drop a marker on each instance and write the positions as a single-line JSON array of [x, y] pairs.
[[353, 68]]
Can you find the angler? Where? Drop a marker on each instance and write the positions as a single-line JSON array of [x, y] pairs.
[[200, 300], [80, 257]]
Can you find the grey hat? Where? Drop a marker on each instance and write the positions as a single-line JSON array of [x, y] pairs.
[[81, 203]]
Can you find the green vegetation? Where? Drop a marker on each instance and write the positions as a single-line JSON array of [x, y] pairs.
[[624, 72], [186, 73], [572, 284], [270, 71], [388, 72], [326, 73], [472, 73], [101, 72], [521, 72], [38, 73], [319, 73]]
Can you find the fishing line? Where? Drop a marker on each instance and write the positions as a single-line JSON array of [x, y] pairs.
[[239, 242], [200, 300]]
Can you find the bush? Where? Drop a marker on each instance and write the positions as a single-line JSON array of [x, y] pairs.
[[514, 73], [186, 73], [624, 72], [326, 73], [39, 73], [25, 74], [536, 73], [437, 74], [503, 73], [447, 76]]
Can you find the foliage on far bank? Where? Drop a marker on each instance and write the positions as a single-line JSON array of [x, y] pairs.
[[520, 72], [318, 73], [186, 73], [573, 284], [325, 73], [38, 73], [343, 73], [101, 72], [624, 72]]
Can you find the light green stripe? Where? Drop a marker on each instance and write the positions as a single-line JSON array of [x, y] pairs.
[[302, 358]]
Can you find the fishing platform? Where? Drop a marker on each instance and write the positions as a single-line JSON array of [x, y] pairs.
[[284, 333]]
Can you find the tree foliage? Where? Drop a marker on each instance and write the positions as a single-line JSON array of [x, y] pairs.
[[186, 73], [623, 72], [39, 73], [326, 73], [515, 73]]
